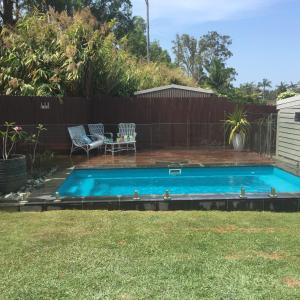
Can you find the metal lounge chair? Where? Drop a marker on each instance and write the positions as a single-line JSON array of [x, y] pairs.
[[80, 140], [97, 130]]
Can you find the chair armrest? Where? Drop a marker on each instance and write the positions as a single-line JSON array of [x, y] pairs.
[[95, 137], [109, 133], [79, 142]]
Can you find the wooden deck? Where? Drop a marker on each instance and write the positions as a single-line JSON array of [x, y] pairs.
[[200, 157]]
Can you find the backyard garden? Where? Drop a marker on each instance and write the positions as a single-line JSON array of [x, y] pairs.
[[130, 173]]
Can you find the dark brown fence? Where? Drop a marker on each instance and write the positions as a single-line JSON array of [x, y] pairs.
[[161, 122]]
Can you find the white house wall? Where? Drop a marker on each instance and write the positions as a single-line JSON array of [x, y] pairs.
[[288, 131]]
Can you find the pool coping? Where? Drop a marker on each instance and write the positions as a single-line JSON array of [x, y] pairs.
[[45, 198]]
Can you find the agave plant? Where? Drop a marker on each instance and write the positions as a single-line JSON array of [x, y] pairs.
[[237, 123]]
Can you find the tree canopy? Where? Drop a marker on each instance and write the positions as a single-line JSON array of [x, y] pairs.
[[205, 59], [56, 54], [85, 47]]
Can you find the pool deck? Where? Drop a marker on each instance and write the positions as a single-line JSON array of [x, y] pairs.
[[196, 157]]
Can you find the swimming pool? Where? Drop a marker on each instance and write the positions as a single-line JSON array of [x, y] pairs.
[[181, 181]]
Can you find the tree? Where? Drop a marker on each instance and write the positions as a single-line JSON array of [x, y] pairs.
[[103, 10], [118, 10], [158, 54], [213, 46], [220, 77], [137, 43], [53, 54], [9, 11], [295, 87], [282, 87], [185, 48], [264, 84], [136, 39], [249, 88], [247, 92], [196, 57]]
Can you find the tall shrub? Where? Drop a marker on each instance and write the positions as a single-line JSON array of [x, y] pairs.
[[52, 54]]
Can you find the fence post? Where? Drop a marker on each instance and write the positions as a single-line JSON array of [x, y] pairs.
[[151, 136], [224, 130], [187, 135]]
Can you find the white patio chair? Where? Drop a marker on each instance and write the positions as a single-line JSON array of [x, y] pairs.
[[97, 130], [128, 130], [80, 140]]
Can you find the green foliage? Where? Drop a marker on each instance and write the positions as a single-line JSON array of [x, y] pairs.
[[245, 93], [237, 123], [219, 76], [286, 90], [185, 48], [264, 84], [285, 95], [136, 43], [157, 54], [10, 136], [155, 74], [33, 141], [204, 59], [214, 46], [136, 40], [281, 87], [54, 54], [103, 10]]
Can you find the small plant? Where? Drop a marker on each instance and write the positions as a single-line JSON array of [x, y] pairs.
[[33, 139], [10, 136], [237, 123]]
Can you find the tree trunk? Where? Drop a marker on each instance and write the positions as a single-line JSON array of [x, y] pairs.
[[7, 14]]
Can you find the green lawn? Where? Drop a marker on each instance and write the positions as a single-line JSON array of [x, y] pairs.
[[149, 255]]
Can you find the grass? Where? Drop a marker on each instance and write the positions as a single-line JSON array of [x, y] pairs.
[[149, 255]]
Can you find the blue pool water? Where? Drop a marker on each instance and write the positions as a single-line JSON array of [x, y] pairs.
[[210, 180]]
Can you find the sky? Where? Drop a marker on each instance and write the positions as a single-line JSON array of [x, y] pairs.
[[265, 33]]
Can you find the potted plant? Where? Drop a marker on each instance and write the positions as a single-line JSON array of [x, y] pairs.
[[13, 171], [237, 126]]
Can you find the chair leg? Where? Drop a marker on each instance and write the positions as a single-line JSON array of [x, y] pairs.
[[71, 150]]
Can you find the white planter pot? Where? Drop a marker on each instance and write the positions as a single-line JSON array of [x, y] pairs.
[[238, 142]]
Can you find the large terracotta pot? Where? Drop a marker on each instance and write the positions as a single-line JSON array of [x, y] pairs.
[[13, 173], [238, 142]]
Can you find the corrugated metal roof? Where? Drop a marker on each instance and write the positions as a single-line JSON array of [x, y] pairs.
[[175, 86], [288, 102]]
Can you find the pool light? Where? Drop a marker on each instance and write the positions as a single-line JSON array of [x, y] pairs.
[[136, 195], [167, 195], [243, 193], [57, 197], [273, 193]]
